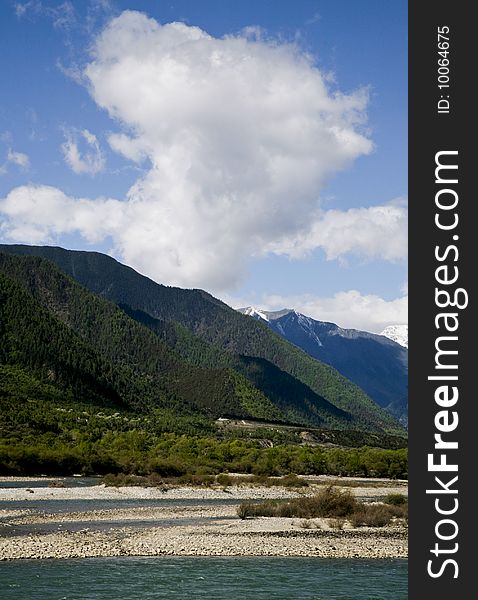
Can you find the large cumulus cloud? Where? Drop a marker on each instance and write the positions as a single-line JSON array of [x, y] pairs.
[[237, 136]]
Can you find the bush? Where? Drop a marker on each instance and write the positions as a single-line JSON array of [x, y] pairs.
[[122, 480], [330, 502], [371, 515], [291, 481], [395, 499], [305, 524], [197, 479], [244, 510], [224, 479], [337, 523], [377, 515]]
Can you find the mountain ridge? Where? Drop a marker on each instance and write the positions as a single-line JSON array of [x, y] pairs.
[[121, 350], [216, 324], [376, 363]]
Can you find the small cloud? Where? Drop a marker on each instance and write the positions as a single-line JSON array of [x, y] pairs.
[[63, 16], [73, 72], [88, 161], [315, 18], [6, 137], [24, 9], [18, 158], [15, 158], [96, 14]]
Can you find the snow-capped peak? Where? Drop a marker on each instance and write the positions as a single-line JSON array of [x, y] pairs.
[[251, 311], [397, 333]]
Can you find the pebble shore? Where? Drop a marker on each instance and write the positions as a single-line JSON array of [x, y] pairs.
[[215, 529]]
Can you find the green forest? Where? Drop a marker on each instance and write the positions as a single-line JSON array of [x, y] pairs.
[[53, 435], [94, 387]]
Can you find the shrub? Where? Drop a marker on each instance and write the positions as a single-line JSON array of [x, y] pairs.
[[395, 499], [378, 515], [121, 480], [337, 523], [305, 524], [224, 479], [244, 510], [197, 479], [371, 515], [291, 481], [330, 502]]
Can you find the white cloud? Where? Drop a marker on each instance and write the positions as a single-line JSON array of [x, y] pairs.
[[239, 135], [349, 309], [25, 8], [315, 18], [15, 158], [90, 160], [39, 214], [63, 16], [373, 232], [18, 158]]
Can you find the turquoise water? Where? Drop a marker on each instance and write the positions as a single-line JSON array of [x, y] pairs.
[[75, 505], [191, 578]]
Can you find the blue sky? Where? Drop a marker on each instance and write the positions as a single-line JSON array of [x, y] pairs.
[[121, 134]]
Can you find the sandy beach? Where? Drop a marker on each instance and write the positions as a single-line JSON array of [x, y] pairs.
[[71, 522]]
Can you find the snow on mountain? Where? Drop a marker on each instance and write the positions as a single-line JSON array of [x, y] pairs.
[[251, 311], [265, 315], [397, 333]]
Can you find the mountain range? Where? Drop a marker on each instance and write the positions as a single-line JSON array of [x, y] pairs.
[[84, 327], [374, 362]]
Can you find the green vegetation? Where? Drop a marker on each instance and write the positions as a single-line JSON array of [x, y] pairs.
[[44, 432], [328, 503], [85, 388], [291, 480], [302, 389], [395, 499], [80, 342], [377, 515], [223, 480]]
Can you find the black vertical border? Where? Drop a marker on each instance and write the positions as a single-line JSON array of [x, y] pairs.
[[431, 132]]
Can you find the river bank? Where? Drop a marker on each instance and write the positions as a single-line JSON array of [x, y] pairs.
[[44, 522]]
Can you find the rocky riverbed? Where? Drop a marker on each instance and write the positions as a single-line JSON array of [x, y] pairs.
[[202, 522]]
